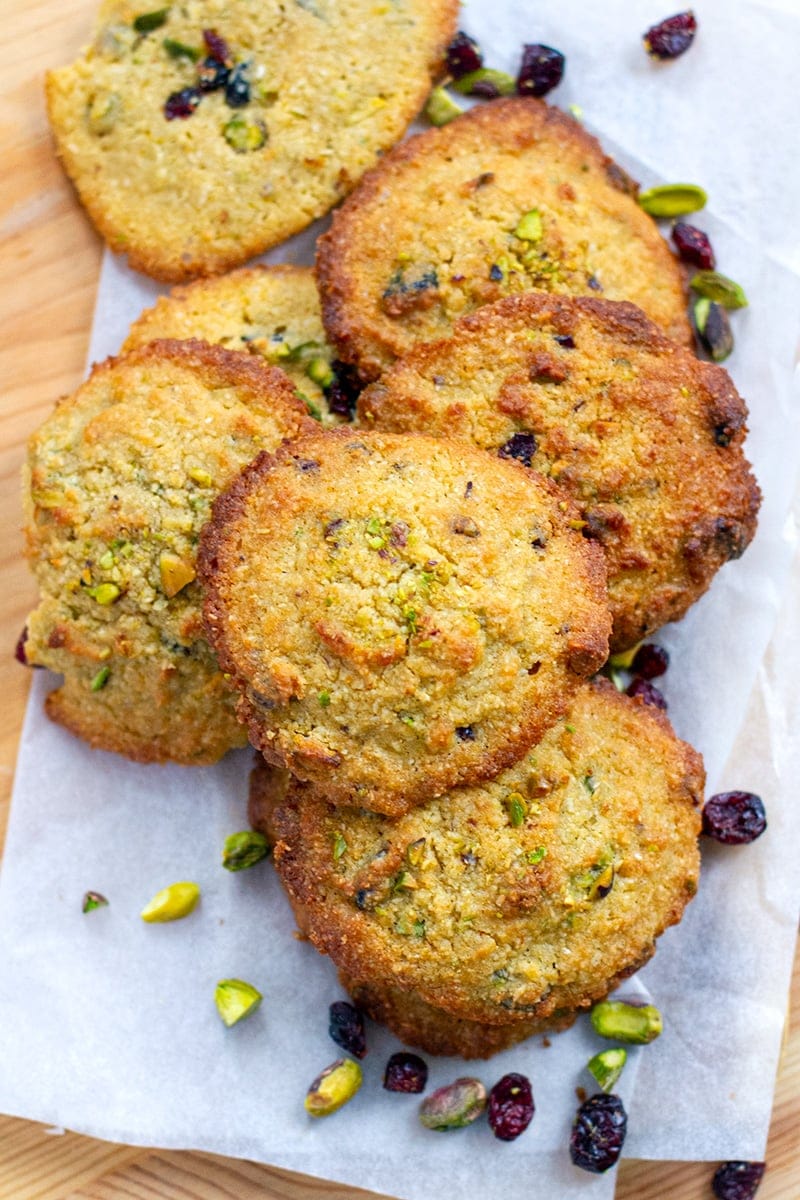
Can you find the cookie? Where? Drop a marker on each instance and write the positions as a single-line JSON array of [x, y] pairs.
[[647, 440], [269, 312], [400, 613], [513, 196], [515, 901], [201, 134], [119, 480]]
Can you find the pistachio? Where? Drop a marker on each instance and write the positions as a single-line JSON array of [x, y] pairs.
[[339, 845], [199, 476], [319, 371], [337, 1084], [104, 593], [517, 808], [672, 199], [607, 1066], [454, 1106], [627, 1022], [243, 850], [624, 659], [244, 136], [536, 855], [103, 112], [176, 573], [415, 851], [147, 22], [236, 1000], [93, 900], [171, 903], [324, 699], [719, 288], [180, 50], [529, 226], [441, 108], [485, 82], [100, 680], [713, 328]]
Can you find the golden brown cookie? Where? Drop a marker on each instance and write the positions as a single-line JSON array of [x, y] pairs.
[[400, 613], [513, 196], [514, 901], [200, 134], [647, 440], [120, 479]]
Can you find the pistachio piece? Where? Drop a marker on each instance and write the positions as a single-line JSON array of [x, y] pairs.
[[199, 476], [93, 900], [337, 1084], [607, 1066], [236, 1000], [529, 227], [177, 49], [454, 1105], [718, 288], [147, 22], [713, 328], [627, 1022], [485, 82], [104, 593], [244, 136], [624, 659], [339, 845], [100, 680], [672, 199], [441, 108], [103, 112], [243, 850], [171, 903], [517, 808], [176, 573], [319, 371]]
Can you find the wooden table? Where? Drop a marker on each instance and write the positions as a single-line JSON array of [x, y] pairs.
[[48, 274]]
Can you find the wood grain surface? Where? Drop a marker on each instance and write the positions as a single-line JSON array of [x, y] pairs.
[[48, 273]]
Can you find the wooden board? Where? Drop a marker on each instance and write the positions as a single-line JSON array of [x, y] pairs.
[[48, 273]]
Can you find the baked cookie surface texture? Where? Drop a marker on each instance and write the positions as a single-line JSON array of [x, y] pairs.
[[119, 481], [400, 613], [515, 901], [646, 439], [202, 133]]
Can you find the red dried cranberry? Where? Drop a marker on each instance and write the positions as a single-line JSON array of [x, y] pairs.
[[647, 692], [212, 75], [343, 392], [650, 661], [346, 1027], [598, 1133], [511, 1107], [463, 55], [541, 70], [19, 649], [671, 36], [693, 246], [734, 818], [737, 1180], [217, 47], [522, 447], [182, 103], [405, 1073]]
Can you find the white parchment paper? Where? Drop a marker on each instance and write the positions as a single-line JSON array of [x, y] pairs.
[[108, 1026]]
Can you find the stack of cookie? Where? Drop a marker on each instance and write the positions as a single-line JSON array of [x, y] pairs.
[[407, 611]]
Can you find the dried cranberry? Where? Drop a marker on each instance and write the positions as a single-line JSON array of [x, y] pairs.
[[521, 446], [566, 340], [465, 733], [541, 70], [511, 1107], [217, 47], [598, 1133], [650, 661], [671, 36], [237, 89], [212, 75], [693, 246], [463, 55], [342, 393], [737, 1180], [405, 1073], [734, 818], [181, 104], [346, 1027], [19, 649], [647, 692]]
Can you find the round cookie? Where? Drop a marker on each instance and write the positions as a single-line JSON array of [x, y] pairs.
[[517, 900], [193, 153], [400, 613], [513, 196], [647, 440], [120, 479], [270, 312]]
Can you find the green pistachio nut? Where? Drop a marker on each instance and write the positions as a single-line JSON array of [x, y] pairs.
[[719, 288], [713, 328], [236, 1000], [103, 112], [624, 660], [243, 850], [147, 22], [93, 900], [100, 679], [454, 1106], [244, 136], [627, 1022], [607, 1066], [529, 226], [172, 903], [504, 85], [319, 371], [672, 199], [180, 50], [337, 1084], [441, 108], [517, 808]]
